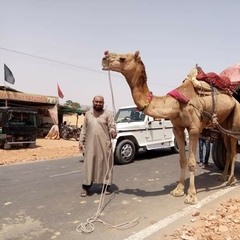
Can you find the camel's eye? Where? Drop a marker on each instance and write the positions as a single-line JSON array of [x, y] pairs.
[[122, 59]]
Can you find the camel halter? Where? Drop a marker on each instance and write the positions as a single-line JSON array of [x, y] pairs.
[[150, 97]]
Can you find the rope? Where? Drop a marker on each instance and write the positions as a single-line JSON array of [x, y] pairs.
[[88, 226], [234, 134], [111, 89], [213, 116]]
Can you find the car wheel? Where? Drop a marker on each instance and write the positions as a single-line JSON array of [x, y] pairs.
[[65, 135], [219, 153], [125, 152], [26, 145]]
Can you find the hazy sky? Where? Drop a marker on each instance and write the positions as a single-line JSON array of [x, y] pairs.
[[172, 36]]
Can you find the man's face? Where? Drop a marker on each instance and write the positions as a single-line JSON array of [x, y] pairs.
[[98, 104]]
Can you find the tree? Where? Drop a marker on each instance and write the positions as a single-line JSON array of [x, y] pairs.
[[72, 104]]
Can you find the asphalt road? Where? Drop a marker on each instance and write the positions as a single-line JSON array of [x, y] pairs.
[[41, 200]]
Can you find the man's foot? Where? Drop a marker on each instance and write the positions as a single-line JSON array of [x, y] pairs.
[[200, 164], [84, 193], [207, 165], [107, 190]]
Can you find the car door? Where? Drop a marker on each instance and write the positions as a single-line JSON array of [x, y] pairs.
[[154, 133], [159, 131], [167, 129]]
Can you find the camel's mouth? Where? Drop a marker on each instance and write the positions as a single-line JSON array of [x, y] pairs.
[[105, 65]]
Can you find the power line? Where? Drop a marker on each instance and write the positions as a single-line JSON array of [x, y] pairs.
[[68, 64], [51, 60]]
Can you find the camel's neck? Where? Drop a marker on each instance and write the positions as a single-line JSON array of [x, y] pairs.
[[164, 107], [137, 81]]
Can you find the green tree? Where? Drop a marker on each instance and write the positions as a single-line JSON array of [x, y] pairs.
[[72, 104]]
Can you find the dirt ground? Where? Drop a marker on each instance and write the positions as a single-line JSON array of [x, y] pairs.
[[44, 149], [221, 224]]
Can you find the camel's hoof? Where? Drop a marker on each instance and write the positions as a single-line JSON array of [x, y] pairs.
[[231, 181], [191, 199], [177, 192], [223, 178]]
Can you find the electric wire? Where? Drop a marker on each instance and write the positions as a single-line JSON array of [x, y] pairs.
[[51, 60], [70, 65]]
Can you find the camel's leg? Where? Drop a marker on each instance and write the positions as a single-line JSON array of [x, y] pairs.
[[180, 137], [191, 193], [224, 176], [231, 180], [231, 147], [233, 142]]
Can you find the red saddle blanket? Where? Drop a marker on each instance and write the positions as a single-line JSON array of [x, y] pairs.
[[229, 79]]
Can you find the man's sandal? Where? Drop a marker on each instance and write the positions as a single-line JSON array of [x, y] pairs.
[[84, 193], [107, 191]]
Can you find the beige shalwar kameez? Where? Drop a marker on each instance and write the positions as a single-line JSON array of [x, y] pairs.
[[98, 155]]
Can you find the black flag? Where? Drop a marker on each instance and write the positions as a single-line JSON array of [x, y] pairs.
[[8, 76]]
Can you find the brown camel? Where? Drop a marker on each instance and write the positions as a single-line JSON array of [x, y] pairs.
[[183, 115]]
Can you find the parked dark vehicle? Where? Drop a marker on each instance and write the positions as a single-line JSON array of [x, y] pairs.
[[18, 126], [67, 132]]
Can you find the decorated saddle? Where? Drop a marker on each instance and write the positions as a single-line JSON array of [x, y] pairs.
[[227, 80]]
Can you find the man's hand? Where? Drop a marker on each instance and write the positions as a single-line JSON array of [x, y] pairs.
[[114, 134], [81, 147]]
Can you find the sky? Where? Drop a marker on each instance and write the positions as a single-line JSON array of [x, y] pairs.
[[50, 42]]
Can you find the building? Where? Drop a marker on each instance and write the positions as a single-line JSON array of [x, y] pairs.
[[47, 106]]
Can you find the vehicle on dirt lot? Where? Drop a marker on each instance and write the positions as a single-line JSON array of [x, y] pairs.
[[18, 126], [67, 132], [137, 130]]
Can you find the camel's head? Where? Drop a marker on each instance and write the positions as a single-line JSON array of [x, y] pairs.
[[120, 62]]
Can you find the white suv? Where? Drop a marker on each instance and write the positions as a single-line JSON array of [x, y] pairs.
[[137, 130]]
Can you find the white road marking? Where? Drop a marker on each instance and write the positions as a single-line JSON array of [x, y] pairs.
[[66, 173], [174, 217]]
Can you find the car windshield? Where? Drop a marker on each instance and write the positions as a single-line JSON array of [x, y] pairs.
[[27, 119], [129, 115]]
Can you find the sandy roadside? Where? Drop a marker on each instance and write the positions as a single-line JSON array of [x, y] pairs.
[[45, 149]]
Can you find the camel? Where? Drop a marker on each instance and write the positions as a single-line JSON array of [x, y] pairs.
[[183, 115]]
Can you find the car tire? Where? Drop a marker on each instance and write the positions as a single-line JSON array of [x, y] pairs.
[[65, 135], [219, 153], [26, 145], [125, 152]]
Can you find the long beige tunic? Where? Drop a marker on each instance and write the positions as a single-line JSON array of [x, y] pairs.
[[98, 155]]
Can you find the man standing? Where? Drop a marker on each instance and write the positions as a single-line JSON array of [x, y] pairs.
[[95, 140], [203, 160]]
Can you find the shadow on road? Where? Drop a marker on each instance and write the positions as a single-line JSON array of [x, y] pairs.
[[149, 154], [206, 179]]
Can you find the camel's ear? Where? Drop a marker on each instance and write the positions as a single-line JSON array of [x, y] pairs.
[[136, 55]]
